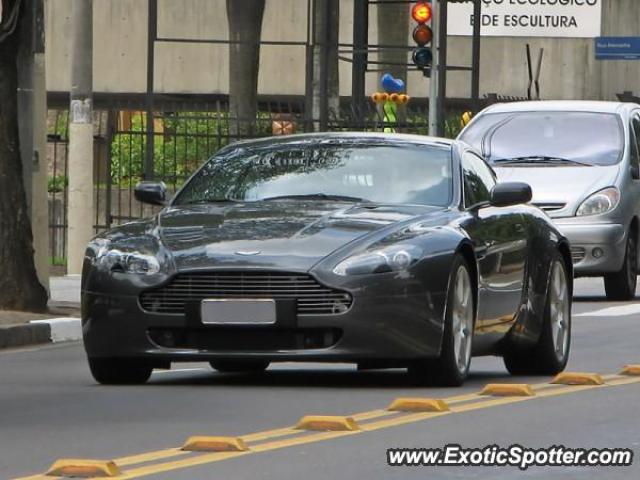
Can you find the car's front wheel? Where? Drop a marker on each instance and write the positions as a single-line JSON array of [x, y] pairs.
[[551, 353], [452, 366], [117, 371], [622, 285], [239, 366]]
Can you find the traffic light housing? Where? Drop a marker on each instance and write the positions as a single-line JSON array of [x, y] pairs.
[[422, 13]]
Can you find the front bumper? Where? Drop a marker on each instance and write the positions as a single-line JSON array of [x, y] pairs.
[[587, 239], [396, 327]]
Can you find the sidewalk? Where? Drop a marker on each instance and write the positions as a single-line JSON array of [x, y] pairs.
[[60, 323]]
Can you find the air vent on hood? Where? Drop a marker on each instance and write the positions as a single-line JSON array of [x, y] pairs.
[[311, 297], [184, 234]]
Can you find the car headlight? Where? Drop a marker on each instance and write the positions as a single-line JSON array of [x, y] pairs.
[[600, 202], [389, 259], [117, 260]]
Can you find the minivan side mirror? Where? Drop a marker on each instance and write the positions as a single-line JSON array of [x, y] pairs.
[[153, 193], [510, 193]]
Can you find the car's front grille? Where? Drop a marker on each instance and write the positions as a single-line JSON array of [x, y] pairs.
[[550, 207], [577, 254], [311, 297]]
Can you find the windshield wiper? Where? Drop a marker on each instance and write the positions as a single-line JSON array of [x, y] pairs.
[[317, 196], [542, 159]]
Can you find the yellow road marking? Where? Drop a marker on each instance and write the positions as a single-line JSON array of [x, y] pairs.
[[285, 431], [367, 427], [396, 418], [149, 457]]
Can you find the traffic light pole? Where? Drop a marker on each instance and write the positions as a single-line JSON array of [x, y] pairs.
[[442, 64], [433, 82], [359, 66]]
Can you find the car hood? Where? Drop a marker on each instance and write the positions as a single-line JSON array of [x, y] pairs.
[[560, 190], [277, 234]]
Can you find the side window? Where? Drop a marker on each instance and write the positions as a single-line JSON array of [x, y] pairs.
[[635, 140], [478, 179]]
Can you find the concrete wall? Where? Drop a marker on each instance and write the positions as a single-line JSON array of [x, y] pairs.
[[569, 71]]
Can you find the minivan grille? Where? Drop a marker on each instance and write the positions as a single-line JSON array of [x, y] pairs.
[[578, 254], [311, 297], [550, 207]]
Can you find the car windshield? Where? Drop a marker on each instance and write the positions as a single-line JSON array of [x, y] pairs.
[[557, 138], [356, 171]]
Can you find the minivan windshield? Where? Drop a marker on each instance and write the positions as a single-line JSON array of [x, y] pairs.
[[348, 171], [552, 138]]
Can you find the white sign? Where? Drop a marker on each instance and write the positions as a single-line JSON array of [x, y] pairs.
[[529, 18]]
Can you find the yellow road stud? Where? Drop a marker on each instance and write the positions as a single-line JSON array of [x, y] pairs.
[[80, 468], [578, 378], [418, 405], [631, 370], [508, 390], [214, 444], [327, 423]]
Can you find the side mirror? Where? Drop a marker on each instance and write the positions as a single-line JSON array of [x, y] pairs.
[[153, 193], [635, 172], [510, 193]]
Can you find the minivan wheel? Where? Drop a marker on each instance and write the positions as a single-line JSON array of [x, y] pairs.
[[622, 285]]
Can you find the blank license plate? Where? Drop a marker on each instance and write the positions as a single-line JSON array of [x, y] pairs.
[[238, 312]]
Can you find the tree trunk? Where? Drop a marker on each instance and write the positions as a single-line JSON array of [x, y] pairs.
[[245, 26], [327, 27], [19, 285], [393, 30]]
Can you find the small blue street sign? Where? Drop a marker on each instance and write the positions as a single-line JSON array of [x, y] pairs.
[[618, 48]]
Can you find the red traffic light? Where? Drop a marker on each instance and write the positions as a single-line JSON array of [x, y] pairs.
[[422, 12], [422, 35]]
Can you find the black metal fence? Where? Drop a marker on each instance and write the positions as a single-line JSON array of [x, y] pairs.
[[185, 135]]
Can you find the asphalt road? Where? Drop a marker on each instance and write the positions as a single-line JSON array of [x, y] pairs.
[[50, 408]]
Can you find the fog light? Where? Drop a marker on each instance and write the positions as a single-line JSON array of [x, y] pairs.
[[597, 252]]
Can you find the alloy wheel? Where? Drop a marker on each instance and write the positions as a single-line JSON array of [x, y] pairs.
[[462, 319], [559, 310]]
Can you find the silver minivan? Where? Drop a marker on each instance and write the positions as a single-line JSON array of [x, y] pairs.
[[582, 160]]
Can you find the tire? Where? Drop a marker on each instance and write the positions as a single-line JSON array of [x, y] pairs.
[[551, 353], [452, 366], [622, 285], [239, 366], [116, 371]]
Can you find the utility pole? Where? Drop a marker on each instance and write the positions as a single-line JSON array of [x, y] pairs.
[[80, 170], [32, 126]]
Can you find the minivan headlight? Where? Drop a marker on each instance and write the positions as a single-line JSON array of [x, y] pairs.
[[600, 202], [390, 259]]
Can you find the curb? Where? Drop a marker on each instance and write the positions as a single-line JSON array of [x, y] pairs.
[[37, 332]]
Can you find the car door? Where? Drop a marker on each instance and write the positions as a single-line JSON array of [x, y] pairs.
[[500, 239], [634, 143]]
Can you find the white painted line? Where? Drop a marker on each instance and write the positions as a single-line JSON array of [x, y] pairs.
[[63, 329], [619, 311]]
